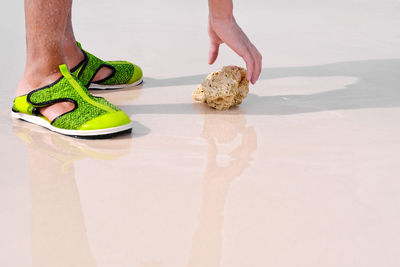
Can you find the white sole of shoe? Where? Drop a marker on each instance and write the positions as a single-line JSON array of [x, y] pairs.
[[110, 87], [77, 133]]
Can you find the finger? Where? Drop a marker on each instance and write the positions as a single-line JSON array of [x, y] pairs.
[[213, 52], [257, 64], [249, 65]]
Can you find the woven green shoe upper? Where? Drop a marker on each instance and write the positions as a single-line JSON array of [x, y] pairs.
[[89, 113], [123, 72]]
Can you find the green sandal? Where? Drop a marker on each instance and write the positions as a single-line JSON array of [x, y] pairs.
[[91, 117], [124, 74]]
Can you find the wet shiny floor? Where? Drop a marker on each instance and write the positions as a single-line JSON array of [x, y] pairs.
[[304, 173]]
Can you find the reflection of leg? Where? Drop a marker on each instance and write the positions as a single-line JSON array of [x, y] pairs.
[[58, 232], [45, 27]]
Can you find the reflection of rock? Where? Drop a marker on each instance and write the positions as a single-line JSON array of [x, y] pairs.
[[219, 130], [224, 128], [223, 89]]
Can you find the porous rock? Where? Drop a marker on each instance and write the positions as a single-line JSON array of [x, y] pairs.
[[223, 89]]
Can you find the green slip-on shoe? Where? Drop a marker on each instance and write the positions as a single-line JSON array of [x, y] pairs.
[[124, 74], [91, 117]]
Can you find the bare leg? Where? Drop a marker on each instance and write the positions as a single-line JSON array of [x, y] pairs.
[[46, 22], [72, 52]]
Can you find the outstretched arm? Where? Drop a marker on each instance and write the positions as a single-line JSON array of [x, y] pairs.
[[222, 28]]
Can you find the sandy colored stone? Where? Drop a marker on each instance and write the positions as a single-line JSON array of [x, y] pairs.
[[223, 89]]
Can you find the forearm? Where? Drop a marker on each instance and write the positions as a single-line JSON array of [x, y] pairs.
[[222, 28], [220, 9]]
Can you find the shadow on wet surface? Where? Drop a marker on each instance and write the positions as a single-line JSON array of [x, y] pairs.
[[377, 87]]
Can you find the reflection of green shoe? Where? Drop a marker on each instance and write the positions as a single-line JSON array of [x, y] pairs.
[[68, 150], [91, 117], [124, 74]]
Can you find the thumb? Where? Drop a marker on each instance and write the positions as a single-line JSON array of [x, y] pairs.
[[213, 52]]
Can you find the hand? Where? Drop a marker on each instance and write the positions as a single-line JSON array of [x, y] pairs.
[[228, 31]]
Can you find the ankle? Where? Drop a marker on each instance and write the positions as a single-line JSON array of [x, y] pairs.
[[73, 54], [36, 77]]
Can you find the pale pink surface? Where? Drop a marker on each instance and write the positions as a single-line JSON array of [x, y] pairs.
[[304, 173]]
